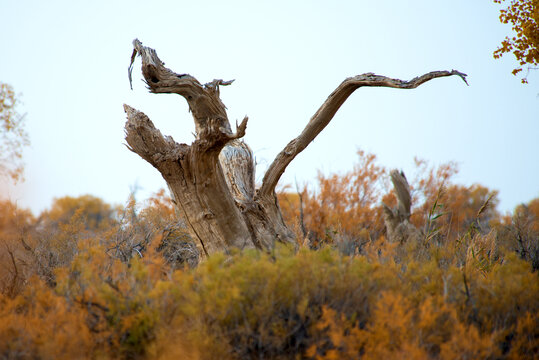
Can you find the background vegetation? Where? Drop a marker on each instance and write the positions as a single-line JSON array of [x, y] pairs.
[[86, 279], [13, 136]]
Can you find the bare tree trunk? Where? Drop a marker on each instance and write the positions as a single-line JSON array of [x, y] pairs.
[[212, 180]]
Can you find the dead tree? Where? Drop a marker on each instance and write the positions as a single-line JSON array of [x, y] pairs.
[[397, 220], [212, 180]]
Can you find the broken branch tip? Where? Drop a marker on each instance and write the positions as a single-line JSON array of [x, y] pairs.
[[461, 75]]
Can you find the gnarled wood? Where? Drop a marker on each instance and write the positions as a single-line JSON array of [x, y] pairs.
[[193, 175], [212, 180]]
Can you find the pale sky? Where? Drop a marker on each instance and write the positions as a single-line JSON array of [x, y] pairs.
[[69, 60]]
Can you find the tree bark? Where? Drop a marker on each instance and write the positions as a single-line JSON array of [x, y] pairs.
[[212, 180]]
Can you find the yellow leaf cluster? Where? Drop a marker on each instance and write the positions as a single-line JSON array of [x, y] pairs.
[[523, 15]]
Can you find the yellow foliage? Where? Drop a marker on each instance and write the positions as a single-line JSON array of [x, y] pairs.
[[94, 212], [467, 343], [523, 15], [40, 324], [525, 343], [119, 288]]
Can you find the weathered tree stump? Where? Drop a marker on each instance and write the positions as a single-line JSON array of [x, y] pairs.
[[397, 220]]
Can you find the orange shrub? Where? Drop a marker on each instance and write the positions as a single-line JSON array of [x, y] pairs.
[[345, 207], [123, 288]]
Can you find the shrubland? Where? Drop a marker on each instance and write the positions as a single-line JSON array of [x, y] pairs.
[[86, 279]]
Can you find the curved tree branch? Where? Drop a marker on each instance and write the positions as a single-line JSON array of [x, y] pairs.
[[326, 112]]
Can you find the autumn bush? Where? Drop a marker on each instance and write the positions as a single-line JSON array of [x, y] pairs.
[[346, 209], [319, 304], [89, 280]]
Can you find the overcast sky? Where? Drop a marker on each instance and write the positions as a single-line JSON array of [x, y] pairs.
[[69, 61]]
